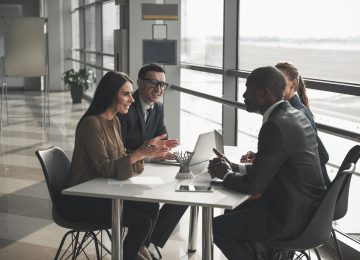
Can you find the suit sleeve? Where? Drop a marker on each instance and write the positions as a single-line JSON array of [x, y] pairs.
[[161, 129], [93, 141], [323, 154], [269, 158]]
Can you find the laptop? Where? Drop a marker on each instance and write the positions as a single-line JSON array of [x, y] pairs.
[[203, 151]]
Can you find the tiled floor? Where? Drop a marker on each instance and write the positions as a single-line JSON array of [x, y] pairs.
[[26, 227]]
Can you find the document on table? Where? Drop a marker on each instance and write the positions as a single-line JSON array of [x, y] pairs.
[[138, 180]]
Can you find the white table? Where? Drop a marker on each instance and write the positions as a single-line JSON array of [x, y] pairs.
[[157, 184]]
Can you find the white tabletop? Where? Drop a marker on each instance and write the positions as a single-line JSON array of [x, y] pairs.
[[157, 184]]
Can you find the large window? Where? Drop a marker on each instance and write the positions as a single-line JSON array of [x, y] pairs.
[[75, 34], [202, 32], [199, 115], [202, 44], [110, 22], [90, 34], [249, 124], [321, 37]]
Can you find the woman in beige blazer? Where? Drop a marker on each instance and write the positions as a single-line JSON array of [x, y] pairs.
[[99, 152]]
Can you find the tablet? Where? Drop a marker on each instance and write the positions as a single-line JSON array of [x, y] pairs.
[[193, 188]]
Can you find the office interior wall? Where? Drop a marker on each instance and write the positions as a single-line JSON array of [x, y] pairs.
[[24, 42], [142, 29], [28, 8]]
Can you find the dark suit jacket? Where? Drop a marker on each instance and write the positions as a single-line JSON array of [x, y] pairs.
[[134, 130], [287, 172], [323, 154]]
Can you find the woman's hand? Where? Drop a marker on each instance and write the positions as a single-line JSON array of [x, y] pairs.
[[154, 148], [151, 151], [248, 157], [159, 141], [169, 156]]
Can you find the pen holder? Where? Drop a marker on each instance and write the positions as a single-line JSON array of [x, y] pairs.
[[184, 159]]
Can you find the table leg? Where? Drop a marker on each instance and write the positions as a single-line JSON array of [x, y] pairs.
[[117, 243], [207, 235], [193, 227]]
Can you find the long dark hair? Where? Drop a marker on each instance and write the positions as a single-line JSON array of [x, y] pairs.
[[293, 73], [106, 93]]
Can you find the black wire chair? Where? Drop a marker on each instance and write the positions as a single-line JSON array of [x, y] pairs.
[[318, 231], [56, 166], [342, 202]]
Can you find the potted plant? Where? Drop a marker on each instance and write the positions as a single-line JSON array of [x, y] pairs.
[[78, 81]]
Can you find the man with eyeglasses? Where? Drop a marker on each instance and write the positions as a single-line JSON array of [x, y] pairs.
[[144, 121]]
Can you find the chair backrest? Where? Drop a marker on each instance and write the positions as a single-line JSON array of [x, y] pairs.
[[342, 203], [319, 228], [56, 166]]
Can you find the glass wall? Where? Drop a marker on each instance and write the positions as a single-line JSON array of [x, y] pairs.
[[110, 22], [202, 32], [91, 20], [321, 37], [75, 34], [199, 115], [201, 44], [249, 124], [90, 34]]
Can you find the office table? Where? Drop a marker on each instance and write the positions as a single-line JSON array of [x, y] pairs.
[[157, 184]]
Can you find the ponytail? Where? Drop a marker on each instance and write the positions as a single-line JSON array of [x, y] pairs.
[[302, 92], [293, 73]]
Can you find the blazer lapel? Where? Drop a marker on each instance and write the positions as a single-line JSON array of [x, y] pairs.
[[140, 112]]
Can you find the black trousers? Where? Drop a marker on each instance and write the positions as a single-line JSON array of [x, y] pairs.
[[138, 217], [169, 216], [231, 235]]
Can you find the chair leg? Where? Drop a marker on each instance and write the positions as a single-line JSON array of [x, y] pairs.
[[108, 233], [80, 247], [75, 248], [336, 244], [102, 246], [317, 254], [158, 252], [62, 243], [298, 254], [96, 245]]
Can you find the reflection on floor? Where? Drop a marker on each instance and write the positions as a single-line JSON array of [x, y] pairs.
[[26, 227]]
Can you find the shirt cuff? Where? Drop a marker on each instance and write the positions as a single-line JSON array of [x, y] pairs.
[[242, 171]]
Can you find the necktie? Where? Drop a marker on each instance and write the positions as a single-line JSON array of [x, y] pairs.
[[149, 111]]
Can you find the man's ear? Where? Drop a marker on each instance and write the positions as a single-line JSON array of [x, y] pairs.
[[139, 83], [267, 92]]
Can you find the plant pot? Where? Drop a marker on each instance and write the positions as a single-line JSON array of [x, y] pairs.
[[76, 94]]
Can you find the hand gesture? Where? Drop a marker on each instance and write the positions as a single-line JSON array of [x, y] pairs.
[[151, 151], [168, 156], [218, 168], [161, 141], [248, 157]]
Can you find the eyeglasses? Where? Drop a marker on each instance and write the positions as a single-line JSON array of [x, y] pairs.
[[155, 83]]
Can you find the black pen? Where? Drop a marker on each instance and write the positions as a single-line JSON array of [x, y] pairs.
[[221, 156]]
